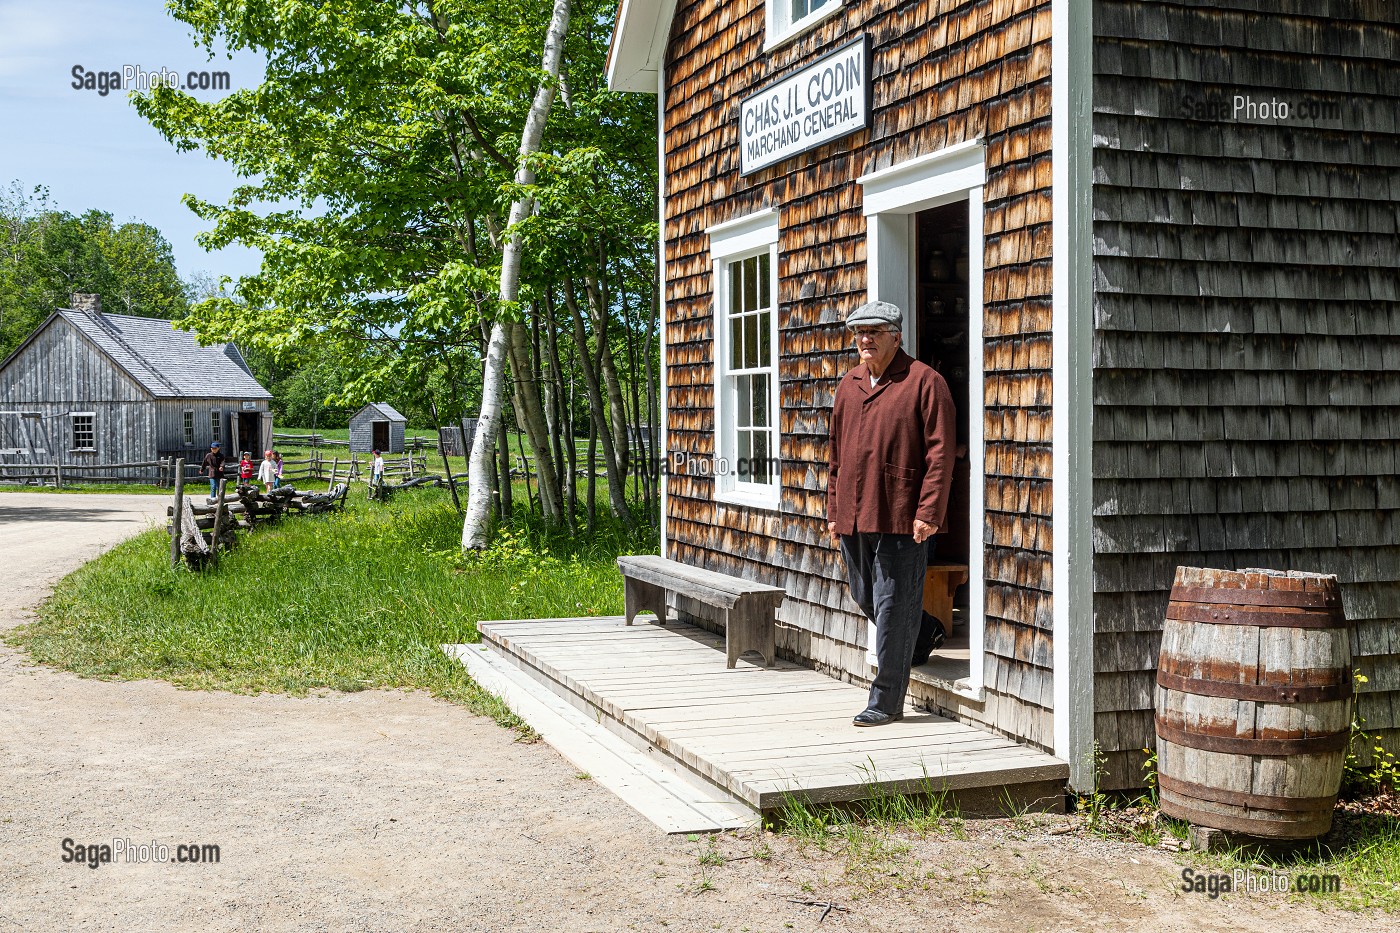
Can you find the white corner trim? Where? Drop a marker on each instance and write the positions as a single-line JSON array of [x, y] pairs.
[[1072, 325], [742, 234], [925, 181], [662, 409]]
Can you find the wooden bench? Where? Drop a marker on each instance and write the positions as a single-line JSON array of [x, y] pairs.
[[941, 582], [745, 609]]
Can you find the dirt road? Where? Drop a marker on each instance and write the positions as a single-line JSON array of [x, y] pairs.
[[393, 811]]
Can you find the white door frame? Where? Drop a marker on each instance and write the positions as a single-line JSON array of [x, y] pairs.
[[892, 196]]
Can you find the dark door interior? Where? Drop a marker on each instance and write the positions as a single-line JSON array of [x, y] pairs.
[[941, 296], [381, 436], [248, 432]]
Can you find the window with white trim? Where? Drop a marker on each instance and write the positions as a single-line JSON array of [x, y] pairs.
[[189, 427], [745, 255], [788, 18], [216, 420], [83, 424]]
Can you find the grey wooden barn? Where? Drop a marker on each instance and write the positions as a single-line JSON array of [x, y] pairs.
[[379, 427], [108, 388], [1155, 247]]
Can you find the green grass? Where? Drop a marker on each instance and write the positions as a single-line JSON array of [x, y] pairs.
[[349, 601]]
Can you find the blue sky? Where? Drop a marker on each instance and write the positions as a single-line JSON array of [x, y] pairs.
[[92, 151]]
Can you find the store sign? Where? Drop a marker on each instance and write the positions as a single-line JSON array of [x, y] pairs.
[[828, 99]]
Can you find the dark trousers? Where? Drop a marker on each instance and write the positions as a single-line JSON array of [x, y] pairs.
[[886, 576]]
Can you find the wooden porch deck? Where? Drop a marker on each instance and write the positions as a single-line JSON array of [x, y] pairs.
[[764, 733]]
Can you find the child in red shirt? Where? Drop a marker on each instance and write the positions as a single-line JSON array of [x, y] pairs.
[[245, 469]]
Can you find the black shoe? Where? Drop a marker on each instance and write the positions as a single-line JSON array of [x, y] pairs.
[[930, 638], [873, 717]]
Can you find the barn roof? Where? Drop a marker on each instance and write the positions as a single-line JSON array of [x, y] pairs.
[[168, 363], [382, 409]]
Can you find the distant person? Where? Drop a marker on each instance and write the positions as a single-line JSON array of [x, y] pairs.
[[277, 480], [376, 471], [245, 470], [213, 467], [267, 471]]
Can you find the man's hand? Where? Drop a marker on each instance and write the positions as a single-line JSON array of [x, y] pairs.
[[831, 530], [923, 531]]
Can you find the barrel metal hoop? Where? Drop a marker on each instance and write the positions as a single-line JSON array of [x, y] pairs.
[[1238, 745], [1263, 693], [1251, 827], [1236, 615], [1237, 798], [1304, 599]]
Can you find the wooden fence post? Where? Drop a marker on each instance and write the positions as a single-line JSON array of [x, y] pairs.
[[175, 519], [218, 523]]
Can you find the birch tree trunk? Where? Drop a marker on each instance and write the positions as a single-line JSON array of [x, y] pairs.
[[479, 507]]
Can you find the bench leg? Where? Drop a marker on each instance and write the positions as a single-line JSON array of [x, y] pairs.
[[639, 596], [749, 627]]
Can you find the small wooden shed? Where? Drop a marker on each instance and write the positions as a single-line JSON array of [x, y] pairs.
[[1152, 247], [379, 427], [112, 388]]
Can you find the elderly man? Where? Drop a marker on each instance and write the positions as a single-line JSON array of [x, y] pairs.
[[893, 432]]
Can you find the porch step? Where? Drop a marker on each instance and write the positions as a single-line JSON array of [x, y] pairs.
[[672, 798], [765, 734]]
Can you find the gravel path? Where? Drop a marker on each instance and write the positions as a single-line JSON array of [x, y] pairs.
[[392, 811]]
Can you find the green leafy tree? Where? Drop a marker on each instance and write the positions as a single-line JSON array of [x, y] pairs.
[[46, 255]]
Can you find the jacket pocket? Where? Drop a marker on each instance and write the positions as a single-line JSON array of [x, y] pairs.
[[895, 471], [901, 489]]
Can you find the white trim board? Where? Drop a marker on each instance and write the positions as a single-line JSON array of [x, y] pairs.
[[1072, 326], [891, 197], [663, 411]]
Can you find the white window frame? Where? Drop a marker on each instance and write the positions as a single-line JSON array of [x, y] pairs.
[[73, 431], [779, 30], [216, 425], [734, 241], [189, 427], [891, 197]]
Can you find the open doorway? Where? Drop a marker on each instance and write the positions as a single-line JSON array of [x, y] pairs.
[[924, 253], [942, 324], [248, 433], [379, 431]]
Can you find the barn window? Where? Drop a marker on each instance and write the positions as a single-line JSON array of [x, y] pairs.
[[189, 427], [788, 18], [215, 421], [84, 431], [745, 255]]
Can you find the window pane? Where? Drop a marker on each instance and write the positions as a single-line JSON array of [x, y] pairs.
[[751, 341], [759, 393], [741, 414], [761, 472], [745, 447], [765, 350], [750, 283], [736, 285], [736, 342], [800, 8], [765, 285]]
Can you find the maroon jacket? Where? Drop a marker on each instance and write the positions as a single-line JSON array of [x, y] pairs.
[[891, 449]]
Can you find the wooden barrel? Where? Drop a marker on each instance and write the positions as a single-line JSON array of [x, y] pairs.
[[1254, 701]]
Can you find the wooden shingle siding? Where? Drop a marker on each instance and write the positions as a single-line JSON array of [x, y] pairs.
[[1247, 315], [942, 73]]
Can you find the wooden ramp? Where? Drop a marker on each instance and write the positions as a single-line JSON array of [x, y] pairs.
[[762, 734]]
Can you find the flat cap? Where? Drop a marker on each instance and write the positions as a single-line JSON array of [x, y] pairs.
[[875, 313]]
